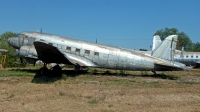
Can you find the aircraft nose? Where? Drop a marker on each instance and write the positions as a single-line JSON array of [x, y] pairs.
[[13, 41]]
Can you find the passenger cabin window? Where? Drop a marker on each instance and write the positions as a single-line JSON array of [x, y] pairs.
[[77, 50], [96, 53], [191, 56], [69, 48], [41, 40], [196, 56], [187, 56], [87, 52]]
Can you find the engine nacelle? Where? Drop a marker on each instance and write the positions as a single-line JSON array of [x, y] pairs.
[[27, 51]]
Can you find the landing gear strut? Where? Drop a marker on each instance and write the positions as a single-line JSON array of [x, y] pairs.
[[154, 72], [77, 68], [55, 71]]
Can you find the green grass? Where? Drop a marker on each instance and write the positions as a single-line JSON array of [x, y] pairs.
[[97, 100], [93, 101], [7, 73]]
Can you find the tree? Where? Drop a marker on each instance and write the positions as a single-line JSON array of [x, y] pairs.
[[183, 39], [196, 47], [11, 60]]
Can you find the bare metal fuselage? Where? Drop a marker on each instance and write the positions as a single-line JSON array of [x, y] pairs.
[[188, 58], [92, 54]]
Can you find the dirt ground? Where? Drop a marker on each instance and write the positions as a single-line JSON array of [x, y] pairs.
[[139, 92]]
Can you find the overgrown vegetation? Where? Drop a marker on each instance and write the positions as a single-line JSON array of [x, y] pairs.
[[12, 61]]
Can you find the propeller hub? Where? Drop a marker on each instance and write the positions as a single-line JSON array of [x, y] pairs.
[[14, 42]]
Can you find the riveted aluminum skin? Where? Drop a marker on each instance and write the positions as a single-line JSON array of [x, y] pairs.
[[84, 53]]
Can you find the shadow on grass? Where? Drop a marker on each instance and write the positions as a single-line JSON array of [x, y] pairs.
[[160, 76], [25, 70], [50, 78]]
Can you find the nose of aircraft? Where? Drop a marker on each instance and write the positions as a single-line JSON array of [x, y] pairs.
[[13, 41]]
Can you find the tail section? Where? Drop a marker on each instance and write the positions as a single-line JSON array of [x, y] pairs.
[[156, 42], [166, 49]]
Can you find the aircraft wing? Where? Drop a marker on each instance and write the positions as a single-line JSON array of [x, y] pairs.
[[51, 54], [3, 50]]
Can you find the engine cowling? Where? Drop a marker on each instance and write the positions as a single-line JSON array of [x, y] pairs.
[[27, 51]]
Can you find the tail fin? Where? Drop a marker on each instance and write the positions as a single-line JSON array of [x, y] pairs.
[[166, 49], [156, 41]]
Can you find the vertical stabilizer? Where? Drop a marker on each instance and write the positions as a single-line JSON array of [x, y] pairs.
[[156, 41], [166, 49]]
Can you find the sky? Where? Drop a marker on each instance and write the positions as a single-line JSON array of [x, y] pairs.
[[124, 23]]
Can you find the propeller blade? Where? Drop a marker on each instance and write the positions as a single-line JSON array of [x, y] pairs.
[[15, 53]]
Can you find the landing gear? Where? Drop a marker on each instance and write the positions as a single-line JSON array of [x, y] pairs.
[[154, 72], [55, 71], [77, 68]]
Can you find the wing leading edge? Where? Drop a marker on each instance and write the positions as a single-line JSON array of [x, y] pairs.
[[50, 54]]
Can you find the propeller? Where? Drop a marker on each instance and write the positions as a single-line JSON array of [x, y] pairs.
[[15, 53]]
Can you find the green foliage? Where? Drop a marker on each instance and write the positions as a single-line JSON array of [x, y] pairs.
[[196, 47], [122, 72], [93, 101], [97, 100], [144, 73], [183, 39], [107, 72], [11, 60]]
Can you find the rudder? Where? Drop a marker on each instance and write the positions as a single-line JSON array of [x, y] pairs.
[[166, 49]]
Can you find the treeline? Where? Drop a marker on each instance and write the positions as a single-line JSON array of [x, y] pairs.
[[11, 61], [183, 39]]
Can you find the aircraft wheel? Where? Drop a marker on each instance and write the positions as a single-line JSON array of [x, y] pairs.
[[57, 71], [44, 71]]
